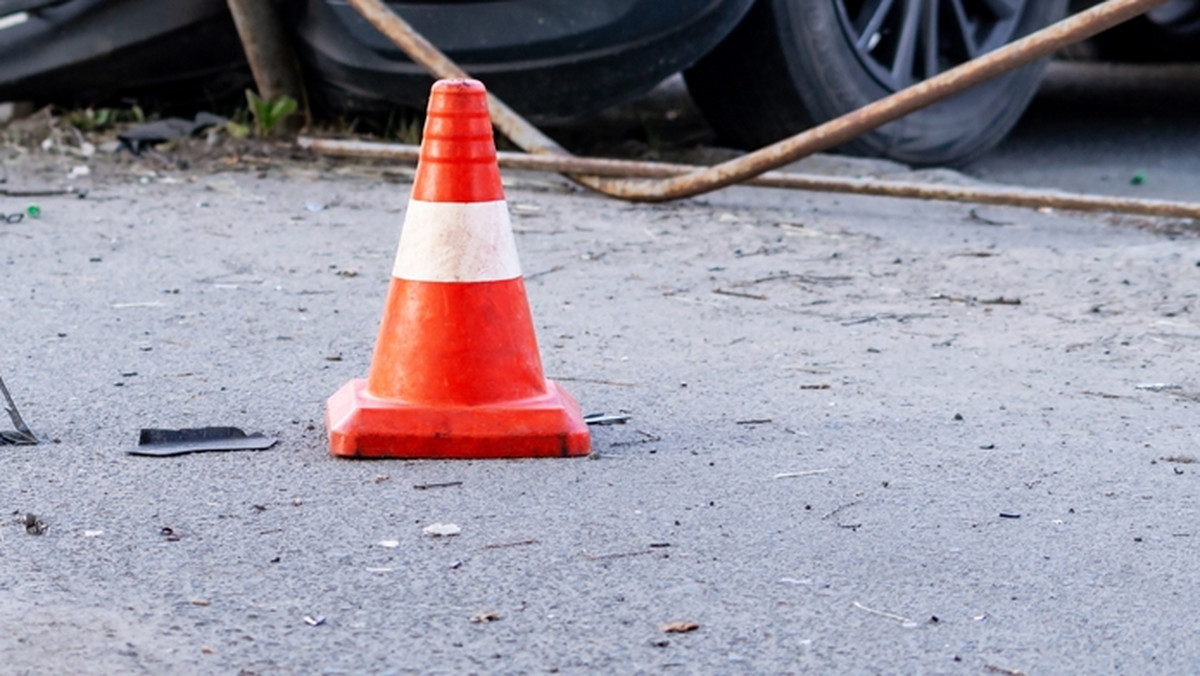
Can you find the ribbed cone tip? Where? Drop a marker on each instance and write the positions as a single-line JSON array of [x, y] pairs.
[[458, 155]]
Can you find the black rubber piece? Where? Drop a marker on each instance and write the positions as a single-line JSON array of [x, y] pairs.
[[789, 66], [164, 443]]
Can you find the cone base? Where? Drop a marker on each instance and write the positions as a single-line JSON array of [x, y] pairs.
[[363, 426]]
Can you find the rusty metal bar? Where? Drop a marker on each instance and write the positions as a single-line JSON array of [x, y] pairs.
[[822, 137], [275, 69], [595, 167], [526, 136]]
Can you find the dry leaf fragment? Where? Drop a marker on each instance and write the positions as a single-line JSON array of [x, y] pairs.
[[485, 616], [679, 627]]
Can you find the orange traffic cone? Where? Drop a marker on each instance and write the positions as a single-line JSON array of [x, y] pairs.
[[456, 371]]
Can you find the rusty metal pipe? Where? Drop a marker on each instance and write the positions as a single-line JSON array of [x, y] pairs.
[[526, 136], [595, 167], [272, 62], [822, 137]]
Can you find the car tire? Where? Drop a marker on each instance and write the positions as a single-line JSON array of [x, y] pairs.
[[792, 64], [1169, 32]]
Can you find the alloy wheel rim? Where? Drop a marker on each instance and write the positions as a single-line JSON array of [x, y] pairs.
[[901, 42]]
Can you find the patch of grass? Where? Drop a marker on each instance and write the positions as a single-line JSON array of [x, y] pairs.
[[99, 119]]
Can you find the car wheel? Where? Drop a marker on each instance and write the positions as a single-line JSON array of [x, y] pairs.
[[791, 64]]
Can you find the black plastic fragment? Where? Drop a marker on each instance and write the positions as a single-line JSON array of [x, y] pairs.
[[141, 136], [164, 443], [602, 418]]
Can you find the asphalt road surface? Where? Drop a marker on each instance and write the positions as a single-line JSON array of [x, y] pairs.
[[866, 435]]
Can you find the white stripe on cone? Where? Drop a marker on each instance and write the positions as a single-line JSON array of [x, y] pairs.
[[457, 242]]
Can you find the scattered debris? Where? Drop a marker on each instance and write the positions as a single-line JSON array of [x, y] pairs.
[[879, 316], [518, 543], [1139, 177], [1001, 670], [976, 216], [1181, 459], [38, 192], [972, 300], [163, 443], [169, 534], [34, 525], [390, 544], [441, 530], [141, 136], [22, 436], [602, 419], [485, 616], [807, 472], [646, 438], [1102, 395], [740, 294], [817, 386], [201, 602], [837, 510], [444, 484], [543, 273], [93, 533], [679, 627], [1009, 515], [597, 381], [904, 621], [619, 555], [1157, 387], [754, 421], [314, 621]]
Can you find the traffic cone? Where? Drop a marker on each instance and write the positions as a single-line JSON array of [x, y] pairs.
[[456, 371]]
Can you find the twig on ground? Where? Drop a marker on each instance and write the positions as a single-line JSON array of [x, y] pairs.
[[504, 545], [839, 508], [739, 294], [807, 472], [444, 484], [890, 616]]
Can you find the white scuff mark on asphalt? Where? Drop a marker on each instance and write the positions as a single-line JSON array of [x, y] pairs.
[[441, 529], [807, 472]]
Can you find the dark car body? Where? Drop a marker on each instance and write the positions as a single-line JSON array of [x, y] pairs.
[[182, 53], [550, 59]]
